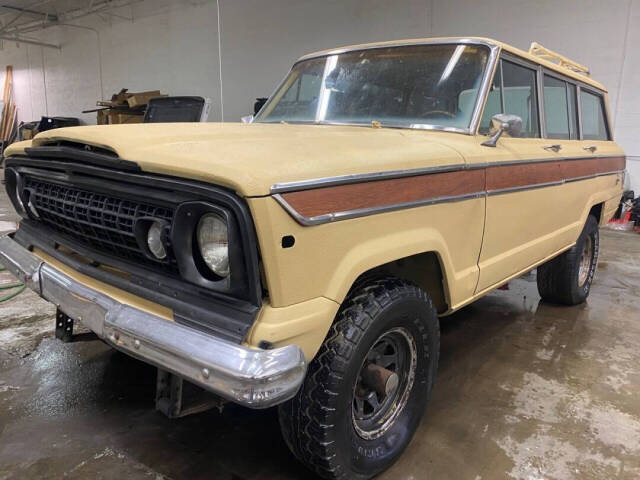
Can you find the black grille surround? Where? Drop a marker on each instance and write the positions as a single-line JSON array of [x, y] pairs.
[[102, 222], [89, 207]]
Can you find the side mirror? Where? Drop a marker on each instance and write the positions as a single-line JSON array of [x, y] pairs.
[[501, 123], [246, 119]]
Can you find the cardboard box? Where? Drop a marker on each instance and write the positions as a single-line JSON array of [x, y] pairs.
[[103, 117], [140, 99], [127, 118]]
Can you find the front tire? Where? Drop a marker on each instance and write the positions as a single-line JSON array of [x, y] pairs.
[[566, 279], [366, 389]]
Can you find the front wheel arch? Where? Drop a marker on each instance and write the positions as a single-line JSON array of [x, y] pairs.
[[423, 269]]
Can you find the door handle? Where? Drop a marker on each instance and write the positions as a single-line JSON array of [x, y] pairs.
[[591, 148], [556, 148]]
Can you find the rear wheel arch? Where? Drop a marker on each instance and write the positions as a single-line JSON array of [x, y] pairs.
[[596, 211]]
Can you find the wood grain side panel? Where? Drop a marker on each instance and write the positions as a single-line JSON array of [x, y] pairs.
[[342, 198], [381, 193], [591, 166], [522, 175]]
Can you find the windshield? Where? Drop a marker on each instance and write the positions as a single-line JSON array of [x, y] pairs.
[[410, 86]]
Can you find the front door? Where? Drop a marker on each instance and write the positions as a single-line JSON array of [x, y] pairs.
[[524, 219]]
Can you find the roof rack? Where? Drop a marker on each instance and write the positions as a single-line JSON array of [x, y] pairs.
[[542, 52]]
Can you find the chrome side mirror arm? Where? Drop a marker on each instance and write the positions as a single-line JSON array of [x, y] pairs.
[[493, 140], [501, 123]]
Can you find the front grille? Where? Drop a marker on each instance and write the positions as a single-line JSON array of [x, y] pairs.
[[104, 223]]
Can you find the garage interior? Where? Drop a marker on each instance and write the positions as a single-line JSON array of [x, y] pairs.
[[524, 390]]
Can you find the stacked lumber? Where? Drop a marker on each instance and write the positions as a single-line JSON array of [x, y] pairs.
[[124, 107], [8, 123]]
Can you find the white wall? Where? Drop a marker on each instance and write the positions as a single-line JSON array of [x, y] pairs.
[[260, 40], [174, 46], [169, 45]]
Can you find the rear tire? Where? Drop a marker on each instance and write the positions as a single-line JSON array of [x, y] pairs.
[[338, 424], [566, 279]]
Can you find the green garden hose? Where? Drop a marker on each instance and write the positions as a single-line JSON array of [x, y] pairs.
[[18, 285]]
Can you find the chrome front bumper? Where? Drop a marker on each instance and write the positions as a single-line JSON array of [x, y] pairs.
[[251, 377]]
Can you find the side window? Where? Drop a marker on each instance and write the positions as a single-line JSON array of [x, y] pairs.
[[519, 91], [560, 115], [556, 108], [594, 125], [494, 102]]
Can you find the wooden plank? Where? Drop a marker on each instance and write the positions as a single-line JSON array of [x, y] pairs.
[[7, 94], [11, 114], [8, 79]]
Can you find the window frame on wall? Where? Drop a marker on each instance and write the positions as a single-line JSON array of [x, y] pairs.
[[541, 71]]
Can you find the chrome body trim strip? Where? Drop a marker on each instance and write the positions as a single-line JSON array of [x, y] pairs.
[[550, 184], [414, 172], [362, 177], [437, 128], [494, 56], [413, 126], [405, 43], [534, 186], [595, 175], [543, 160], [252, 377], [363, 212]]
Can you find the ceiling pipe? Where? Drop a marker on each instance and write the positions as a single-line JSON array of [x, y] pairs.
[[27, 41], [101, 6], [49, 17]]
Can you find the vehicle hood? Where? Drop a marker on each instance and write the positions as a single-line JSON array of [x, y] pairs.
[[250, 158]]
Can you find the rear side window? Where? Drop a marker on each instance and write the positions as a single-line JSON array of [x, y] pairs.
[[559, 109], [519, 96], [594, 124]]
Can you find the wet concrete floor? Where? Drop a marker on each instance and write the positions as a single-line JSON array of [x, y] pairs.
[[525, 390]]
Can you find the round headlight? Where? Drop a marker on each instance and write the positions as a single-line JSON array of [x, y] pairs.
[[154, 241], [213, 241]]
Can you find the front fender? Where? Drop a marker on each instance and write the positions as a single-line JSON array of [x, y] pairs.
[[326, 259]]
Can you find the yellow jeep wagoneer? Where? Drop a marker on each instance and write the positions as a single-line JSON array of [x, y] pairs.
[[302, 259]]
